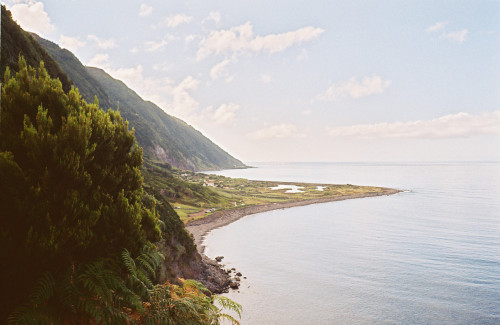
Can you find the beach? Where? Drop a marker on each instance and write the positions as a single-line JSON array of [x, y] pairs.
[[201, 227]]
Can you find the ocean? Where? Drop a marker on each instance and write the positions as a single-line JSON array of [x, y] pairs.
[[429, 255]]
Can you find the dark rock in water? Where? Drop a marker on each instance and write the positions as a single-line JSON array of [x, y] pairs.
[[219, 258], [213, 277], [237, 279], [233, 269], [238, 274], [234, 285], [244, 277]]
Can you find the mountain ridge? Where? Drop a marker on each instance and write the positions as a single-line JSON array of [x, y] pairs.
[[164, 138]]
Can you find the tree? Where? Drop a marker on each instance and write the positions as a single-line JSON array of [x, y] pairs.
[[76, 239], [70, 183]]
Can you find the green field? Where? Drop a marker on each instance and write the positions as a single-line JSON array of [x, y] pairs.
[[198, 195]]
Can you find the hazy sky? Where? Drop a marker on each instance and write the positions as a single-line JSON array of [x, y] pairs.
[[301, 80]]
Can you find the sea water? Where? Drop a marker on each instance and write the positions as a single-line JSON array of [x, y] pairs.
[[429, 255]]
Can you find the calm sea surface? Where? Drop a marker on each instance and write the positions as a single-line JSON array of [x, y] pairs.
[[427, 256]]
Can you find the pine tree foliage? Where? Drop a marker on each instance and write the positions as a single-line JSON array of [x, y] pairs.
[[71, 206], [70, 181]]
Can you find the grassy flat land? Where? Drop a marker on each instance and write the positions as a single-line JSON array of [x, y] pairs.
[[233, 193]]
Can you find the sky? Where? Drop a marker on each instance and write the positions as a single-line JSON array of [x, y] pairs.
[[301, 80]]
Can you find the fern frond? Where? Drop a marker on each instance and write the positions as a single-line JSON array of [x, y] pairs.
[[43, 289], [27, 315], [230, 318], [147, 264], [129, 262], [228, 304]]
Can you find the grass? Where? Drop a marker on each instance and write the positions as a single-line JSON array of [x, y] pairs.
[[224, 193]]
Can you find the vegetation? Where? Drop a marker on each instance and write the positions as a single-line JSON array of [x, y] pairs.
[[16, 41], [107, 292], [181, 257], [164, 138], [72, 203], [196, 195]]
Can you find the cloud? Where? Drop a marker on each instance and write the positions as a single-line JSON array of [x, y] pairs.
[[189, 38], [32, 17], [220, 71], [104, 44], [152, 46], [174, 99], [162, 66], [265, 78], [183, 104], [214, 16], [355, 88], [449, 126], [303, 55], [132, 77], [176, 20], [241, 39], [459, 36], [70, 43], [145, 10], [436, 27], [99, 60], [279, 131], [224, 114], [129, 76]]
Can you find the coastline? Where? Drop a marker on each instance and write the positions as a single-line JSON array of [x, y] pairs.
[[201, 227]]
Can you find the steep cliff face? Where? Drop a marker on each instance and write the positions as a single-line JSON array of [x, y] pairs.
[[163, 137], [16, 41]]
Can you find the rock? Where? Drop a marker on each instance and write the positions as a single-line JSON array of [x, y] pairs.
[[213, 276], [233, 269], [244, 277], [219, 258], [234, 285], [238, 274], [237, 279]]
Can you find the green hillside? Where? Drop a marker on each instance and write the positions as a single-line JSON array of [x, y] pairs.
[[69, 63], [164, 138], [170, 138], [16, 41], [181, 258]]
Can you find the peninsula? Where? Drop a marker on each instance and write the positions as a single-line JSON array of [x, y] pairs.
[[242, 197]]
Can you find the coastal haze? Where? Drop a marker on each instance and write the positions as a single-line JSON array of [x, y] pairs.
[[429, 255]]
